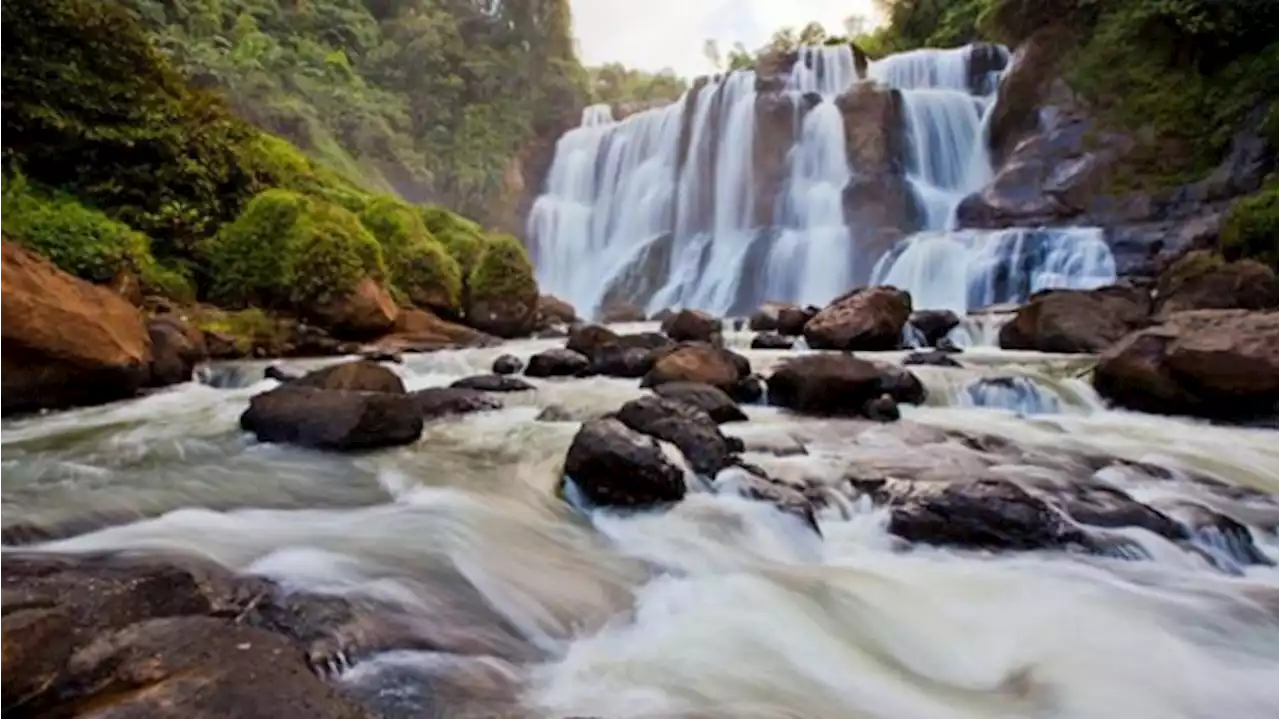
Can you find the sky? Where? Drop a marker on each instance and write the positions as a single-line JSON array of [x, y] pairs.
[[655, 34]]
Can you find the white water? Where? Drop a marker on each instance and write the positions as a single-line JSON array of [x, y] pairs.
[[721, 607]]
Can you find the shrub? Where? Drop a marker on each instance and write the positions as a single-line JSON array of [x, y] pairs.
[[421, 269], [329, 254], [1250, 228], [502, 271], [461, 237]]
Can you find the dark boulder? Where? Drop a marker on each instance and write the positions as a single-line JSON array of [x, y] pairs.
[[435, 402], [333, 419], [712, 400], [693, 326], [765, 319], [358, 376], [507, 364], [869, 319], [493, 383], [933, 325], [1076, 321], [615, 466], [557, 363], [715, 366], [881, 409], [586, 339], [1201, 280], [936, 358], [983, 514], [687, 427], [618, 360], [791, 320], [839, 385], [771, 341], [176, 348], [279, 374]]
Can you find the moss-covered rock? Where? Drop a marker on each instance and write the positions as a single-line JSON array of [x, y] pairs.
[[503, 295], [1250, 228], [421, 269], [463, 238]]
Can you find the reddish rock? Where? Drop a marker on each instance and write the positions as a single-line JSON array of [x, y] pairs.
[[1076, 321], [367, 311], [176, 348], [692, 326], [1201, 280], [869, 319]]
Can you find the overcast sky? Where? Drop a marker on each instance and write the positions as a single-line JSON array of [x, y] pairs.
[[653, 34]]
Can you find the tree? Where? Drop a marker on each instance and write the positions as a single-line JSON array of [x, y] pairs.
[[711, 51]]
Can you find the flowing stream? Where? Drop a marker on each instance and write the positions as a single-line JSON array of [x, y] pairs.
[[719, 607]]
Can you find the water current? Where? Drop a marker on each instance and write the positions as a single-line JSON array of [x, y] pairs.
[[719, 607]]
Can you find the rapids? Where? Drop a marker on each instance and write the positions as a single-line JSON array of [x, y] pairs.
[[720, 607]]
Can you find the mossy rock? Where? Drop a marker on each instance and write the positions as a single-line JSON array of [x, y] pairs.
[[242, 332], [1250, 228], [503, 294], [462, 238], [421, 269]]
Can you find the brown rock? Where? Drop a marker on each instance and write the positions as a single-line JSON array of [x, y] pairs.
[[620, 312], [765, 319], [615, 466], [1219, 364], [367, 311], [712, 400], [698, 363], [127, 285], [686, 426], [65, 341], [870, 319], [1074, 321], [1201, 280], [36, 643], [359, 376], [333, 419], [791, 320], [508, 317], [176, 348], [418, 330], [839, 385], [587, 339], [557, 363], [692, 326], [553, 309]]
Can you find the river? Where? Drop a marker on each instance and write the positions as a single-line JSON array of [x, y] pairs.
[[720, 607]]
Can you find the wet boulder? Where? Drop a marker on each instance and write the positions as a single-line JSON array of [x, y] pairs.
[[176, 349], [333, 419], [712, 400], [66, 342], [1202, 280], [279, 374], [1076, 321], [933, 325], [869, 319], [621, 312], [557, 363], [765, 319], [791, 320], [616, 359], [493, 383], [840, 385], [586, 339], [715, 366], [359, 376], [693, 326], [615, 466], [771, 341], [687, 427], [437, 402], [881, 409], [366, 311], [553, 310], [990, 514], [752, 482], [1217, 364], [935, 358], [507, 364], [418, 330]]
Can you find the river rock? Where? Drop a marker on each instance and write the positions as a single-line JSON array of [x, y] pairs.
[[869, 319], [992, 514], [176, 348], [615, 466], [686, 426], [662, 315], [586, 339], [1201, 280], [712, 400], [616, 359], [693, 326], [839, 385], [65, 342], [765, 319], [507, 364], [935, 358], [1219, 364], [703, 363], [418, 330], [436, 402], [493, 383], [333, 419], [358, 376], [933, 325], [752, 482], [1076, 321], [771, 341], [621, 312], [557, 363], [552, 309], [366, 311], [791, 320]]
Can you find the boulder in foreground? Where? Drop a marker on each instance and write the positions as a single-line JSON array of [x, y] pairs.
[[687, 427], [869, 319], [1217, 364], [333, 419], [615, 466], [66, 342]]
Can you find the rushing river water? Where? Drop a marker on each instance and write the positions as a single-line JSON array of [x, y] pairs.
[[721, 606]]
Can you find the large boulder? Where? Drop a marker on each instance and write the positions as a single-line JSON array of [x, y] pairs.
[[791, 320], [715, 366], [615, 466], [1076, 321], [364, 312], [65, 342], [176, 349], [840, 385], [557, 363], [869, 319], [987, 514], [358, 376], [712, 400], [687, 427], [765, 319], [333, 419], [418, 330], [933, 325], [692, 326], [553, 310], [1219, 364], [1201, 280], [617, 359], [586, 339]]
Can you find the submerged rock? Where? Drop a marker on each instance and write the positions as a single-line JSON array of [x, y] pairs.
[[507, 364], [1075, 321], [359, 376], [557, 363], [615, 466], [869, 319], [333, 419], [686, 426], [493, 383], [436, 402], [771, 341], [712, 400], [65, 342], [936, 358]]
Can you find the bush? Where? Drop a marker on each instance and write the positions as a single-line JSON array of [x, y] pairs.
[[85, 242], [421, 269], [502, 272], [287, 249], [461, 237], [1250, 228]]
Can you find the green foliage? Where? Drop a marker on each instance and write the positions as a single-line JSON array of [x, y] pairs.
[[246, 329], [91, 107], [617, 85], [421, 269], [461, 237], [503, 271], [1250, 228], [288, 249], [85, 242]]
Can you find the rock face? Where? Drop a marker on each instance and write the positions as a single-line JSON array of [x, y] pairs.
[[333, 419], [718, 405], [879, 198], [615, 466], [869, 319], [1219, 364], [692, 326], [715, 366], [933, 325], [1201, 280], [840, 385], [65, 342], [367, 311], [687, 427], [358, 376], [1074, 321], [557, 363]]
